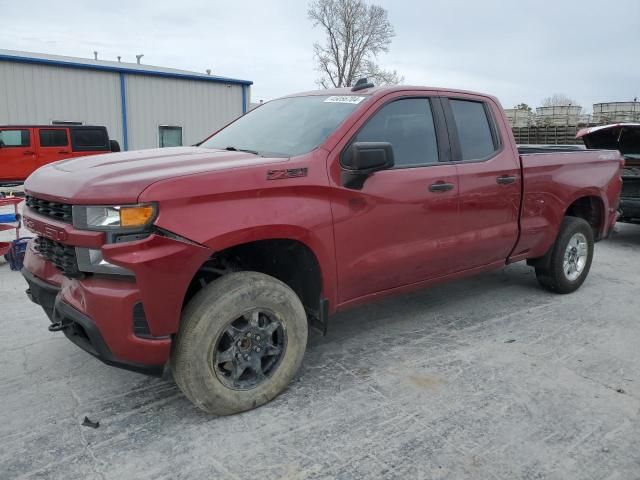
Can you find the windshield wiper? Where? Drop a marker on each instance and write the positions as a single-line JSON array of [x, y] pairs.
[[235, 149]]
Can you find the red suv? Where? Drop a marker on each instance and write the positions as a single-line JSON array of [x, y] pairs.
[[25, 148]]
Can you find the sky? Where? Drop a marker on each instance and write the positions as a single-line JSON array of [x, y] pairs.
[[518, 50]]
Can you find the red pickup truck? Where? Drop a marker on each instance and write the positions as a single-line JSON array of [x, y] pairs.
[[211, 261]]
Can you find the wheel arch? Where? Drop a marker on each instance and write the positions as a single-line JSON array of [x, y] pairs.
[[288, 253], [591, 207]]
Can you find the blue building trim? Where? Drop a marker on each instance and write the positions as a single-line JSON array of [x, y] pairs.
[[123, 107], [113, 68], [244, 99]]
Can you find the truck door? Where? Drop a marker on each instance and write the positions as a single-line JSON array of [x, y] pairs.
[[53, 145], [489, 180], [17, 153], [400, 227]]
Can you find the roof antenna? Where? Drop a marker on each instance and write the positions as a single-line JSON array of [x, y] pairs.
[[208, 71], [362, 84], [95, 55], [138, 57], [119, 57]]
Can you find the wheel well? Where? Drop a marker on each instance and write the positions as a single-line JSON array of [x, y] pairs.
[[591, 209], [290, 261]]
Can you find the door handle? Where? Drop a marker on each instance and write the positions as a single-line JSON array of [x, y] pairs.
[[441, 187], [506, 179], [28, 152]]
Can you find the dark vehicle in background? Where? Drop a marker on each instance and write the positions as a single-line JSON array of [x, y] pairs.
[[624, 137], [25, 148]]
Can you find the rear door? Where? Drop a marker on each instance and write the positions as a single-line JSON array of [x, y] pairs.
[[53, 144], [489, 180], [400, 227], [17, 153]]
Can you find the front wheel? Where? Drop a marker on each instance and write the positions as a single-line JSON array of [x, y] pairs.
[[241, 341], [570, 259]]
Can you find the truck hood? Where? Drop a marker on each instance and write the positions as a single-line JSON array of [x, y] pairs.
[[624, 137], [121, 177]]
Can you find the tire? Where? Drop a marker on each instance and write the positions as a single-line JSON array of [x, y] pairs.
[[205, 361], [554, 276]]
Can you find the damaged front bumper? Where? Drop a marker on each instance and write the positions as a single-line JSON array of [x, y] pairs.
[[125, 321]]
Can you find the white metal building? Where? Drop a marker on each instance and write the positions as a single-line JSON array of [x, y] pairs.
[[142, 106]]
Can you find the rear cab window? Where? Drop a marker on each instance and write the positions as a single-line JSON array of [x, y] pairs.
[[476, 132], [89, 139], [19, 137]]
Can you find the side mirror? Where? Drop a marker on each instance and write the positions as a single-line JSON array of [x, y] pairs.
[[114, 145], [364, 158]]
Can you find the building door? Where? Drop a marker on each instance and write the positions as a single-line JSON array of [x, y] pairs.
[[169, 136]]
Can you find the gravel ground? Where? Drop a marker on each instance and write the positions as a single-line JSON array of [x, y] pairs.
[[489, 377]]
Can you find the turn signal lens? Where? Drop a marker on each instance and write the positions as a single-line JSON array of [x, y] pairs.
[[137, 216]]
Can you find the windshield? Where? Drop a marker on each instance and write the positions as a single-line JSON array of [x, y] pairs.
[[286, 127]]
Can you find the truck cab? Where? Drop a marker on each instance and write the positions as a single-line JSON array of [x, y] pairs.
[[25, 148]]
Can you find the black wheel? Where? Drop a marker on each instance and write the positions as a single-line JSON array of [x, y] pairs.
[[241, 341], [570, 257]]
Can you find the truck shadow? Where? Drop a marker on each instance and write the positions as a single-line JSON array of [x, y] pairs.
[[625, 234], [453, 305], [373, 327]]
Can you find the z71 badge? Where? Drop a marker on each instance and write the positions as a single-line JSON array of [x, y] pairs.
[[288, 173]]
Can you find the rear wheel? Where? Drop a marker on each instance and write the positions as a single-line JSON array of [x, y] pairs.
[[570, 257], [241, 341]]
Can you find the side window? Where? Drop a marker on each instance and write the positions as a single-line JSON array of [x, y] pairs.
[[169, 136], [474, 129], [14, 138], [89, 139], [53, 138], [408, 126]]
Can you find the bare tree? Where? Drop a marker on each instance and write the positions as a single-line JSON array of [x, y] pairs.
[[356, 34], [558, 100]]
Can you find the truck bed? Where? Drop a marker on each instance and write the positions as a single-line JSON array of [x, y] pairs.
[[554, 178]]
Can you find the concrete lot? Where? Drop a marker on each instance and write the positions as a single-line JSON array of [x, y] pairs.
[[490, 377]]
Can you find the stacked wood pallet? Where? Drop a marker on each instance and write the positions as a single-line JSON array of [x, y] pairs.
[[547, 135]]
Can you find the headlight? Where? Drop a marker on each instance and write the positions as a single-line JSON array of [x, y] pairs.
[[114, 217]]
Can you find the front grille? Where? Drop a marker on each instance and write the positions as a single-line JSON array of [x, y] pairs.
[[62, 256], [55, 210]]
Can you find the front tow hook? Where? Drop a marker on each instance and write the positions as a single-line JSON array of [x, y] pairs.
[[57, 326]]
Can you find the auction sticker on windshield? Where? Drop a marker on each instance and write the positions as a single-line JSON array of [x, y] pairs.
[[344, 99]]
